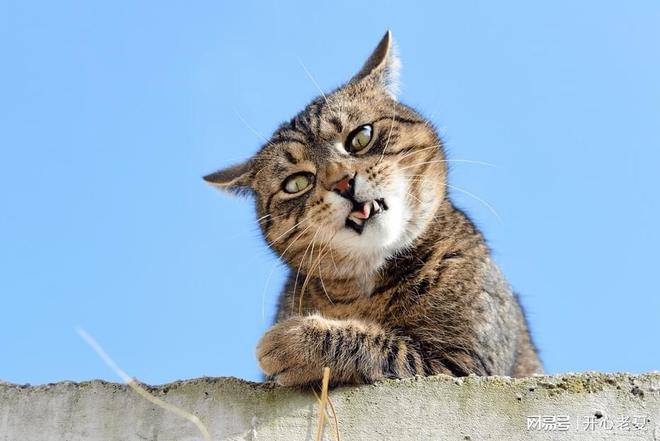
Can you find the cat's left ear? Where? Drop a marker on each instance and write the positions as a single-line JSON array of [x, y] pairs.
[[234, 179], [382, 67]]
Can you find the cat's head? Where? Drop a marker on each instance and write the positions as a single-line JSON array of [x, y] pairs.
[[351, 180]]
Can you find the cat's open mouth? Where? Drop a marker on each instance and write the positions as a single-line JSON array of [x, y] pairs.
[[363, 212]]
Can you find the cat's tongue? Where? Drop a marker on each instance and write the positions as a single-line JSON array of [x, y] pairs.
[[364, 213]]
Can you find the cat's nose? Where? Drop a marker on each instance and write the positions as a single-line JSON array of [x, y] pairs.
[[336, 176], [343, 184], [345, 187]]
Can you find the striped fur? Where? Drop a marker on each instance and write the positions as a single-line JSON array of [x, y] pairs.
[[414, 291]]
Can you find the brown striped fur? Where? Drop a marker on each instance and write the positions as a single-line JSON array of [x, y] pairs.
[[415, 292]]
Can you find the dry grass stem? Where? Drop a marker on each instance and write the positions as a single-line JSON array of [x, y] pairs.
[[323, 403], [142, 391]]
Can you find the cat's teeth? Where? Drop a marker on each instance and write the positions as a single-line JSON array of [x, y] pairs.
[[376, 206], [356, 220]]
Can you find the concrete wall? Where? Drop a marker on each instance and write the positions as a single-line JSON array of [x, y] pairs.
[[567, 407]]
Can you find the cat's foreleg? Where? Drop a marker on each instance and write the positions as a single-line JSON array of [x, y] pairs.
[[294, 352]]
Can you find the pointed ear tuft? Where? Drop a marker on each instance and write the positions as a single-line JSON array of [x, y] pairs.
[[235, 179], [382, 67]]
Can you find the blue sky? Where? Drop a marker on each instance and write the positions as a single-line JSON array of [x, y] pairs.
[[112, 111]]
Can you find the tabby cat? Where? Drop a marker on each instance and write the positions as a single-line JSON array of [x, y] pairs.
[[387, 278]]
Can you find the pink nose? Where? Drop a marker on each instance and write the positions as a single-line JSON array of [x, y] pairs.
[[343, 184]]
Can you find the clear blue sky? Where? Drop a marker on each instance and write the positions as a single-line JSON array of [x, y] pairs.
[[110, 112]]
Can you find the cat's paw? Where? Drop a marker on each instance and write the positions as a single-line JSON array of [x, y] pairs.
[[288, 352]]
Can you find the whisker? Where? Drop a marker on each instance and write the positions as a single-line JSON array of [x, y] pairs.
[[332, 258], [414, 152], [474, 196], [271, 217], [341, 108], [264, 217], [418, 178], [307, 276], [323, 286], [259, 135], [287, 231], [414, 197], [302, 260], [263, 293], [469, 161], [309, 75], [387, 143], [472, 161], [318, 265], [295, 240]]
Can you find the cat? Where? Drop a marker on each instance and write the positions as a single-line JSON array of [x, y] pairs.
[[388, 279]]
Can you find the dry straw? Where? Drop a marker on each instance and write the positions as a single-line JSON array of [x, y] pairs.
[[323, 407], [142, 391], [324, 400]]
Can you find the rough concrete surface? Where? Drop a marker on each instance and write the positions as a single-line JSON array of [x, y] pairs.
[[586, 406]]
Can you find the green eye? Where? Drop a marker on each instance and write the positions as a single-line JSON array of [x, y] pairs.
[[297, 183], [360, 138]]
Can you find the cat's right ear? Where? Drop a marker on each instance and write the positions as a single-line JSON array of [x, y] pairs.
[[235, 179], [382, 67]]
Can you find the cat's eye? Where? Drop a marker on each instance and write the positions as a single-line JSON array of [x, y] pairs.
[[359, 138], [298, 183]]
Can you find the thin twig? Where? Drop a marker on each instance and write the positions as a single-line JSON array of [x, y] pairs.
[[323, 403], [335, 422], [140, 390], [334, 417]]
